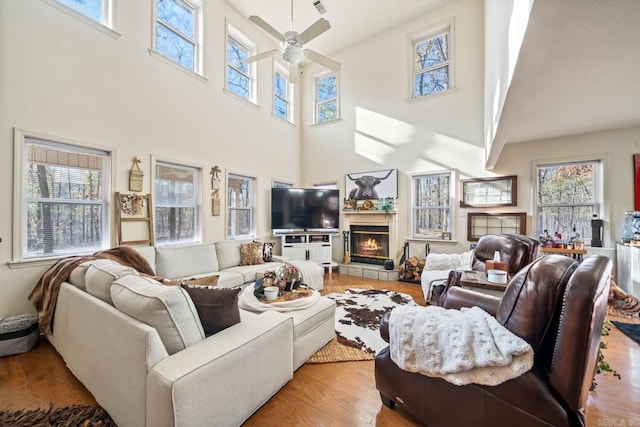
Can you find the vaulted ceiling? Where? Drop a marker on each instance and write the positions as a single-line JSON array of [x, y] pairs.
[[578, 69]]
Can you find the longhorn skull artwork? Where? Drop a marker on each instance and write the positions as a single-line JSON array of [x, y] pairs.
[[366, 185]]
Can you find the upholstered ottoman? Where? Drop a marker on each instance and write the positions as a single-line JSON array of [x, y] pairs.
[[313, 323], [312, 273]]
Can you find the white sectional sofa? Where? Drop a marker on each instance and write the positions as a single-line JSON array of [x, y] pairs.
[[140, 349]]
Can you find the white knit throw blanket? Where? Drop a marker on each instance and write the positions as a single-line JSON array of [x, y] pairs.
[[460, 346]]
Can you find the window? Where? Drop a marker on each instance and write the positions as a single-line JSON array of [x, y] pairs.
[[177, 204], [178, 32], [326, 186], [241, 202], [97, 10], [281, 184], [326, 98], [430, 60], [240, 74], [431, 198], [65, 198], [282, 94], [567, 197]]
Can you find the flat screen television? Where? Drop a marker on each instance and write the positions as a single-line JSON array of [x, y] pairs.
[[304, 209]]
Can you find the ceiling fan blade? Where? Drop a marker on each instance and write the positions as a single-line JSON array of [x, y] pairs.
[[317, 28], [262, 55], [294, 73], [322, 60], [268, 28]]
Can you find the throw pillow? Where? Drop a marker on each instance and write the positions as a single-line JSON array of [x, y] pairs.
[[251, 253], [267, 252], [200, 281], [216, 307]]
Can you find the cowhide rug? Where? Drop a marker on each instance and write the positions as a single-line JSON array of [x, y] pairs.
[[358, 315]]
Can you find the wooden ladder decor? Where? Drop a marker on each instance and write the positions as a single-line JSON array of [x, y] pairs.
[[134, 208]]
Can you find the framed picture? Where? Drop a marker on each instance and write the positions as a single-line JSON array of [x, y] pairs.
[[481, 223], [372, 185], [489, 192], [446, 235]]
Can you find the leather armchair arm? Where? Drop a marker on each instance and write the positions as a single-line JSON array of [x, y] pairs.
[[384, 326], [457, 298]]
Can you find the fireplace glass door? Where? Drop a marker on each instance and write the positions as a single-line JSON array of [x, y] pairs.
[[369, 244]]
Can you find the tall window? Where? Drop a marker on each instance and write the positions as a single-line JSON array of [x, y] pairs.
[[430, 64], [326, 89], [431, 200], [96, 10], [241, 202], [282, 94], [176, 203], [567, 197], [240, 75], [178, 32], [64, 199]]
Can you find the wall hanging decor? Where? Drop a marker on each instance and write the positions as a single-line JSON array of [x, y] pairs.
[[372, 185], [215, 191], [134, 219], [135, 175], [489, 192]]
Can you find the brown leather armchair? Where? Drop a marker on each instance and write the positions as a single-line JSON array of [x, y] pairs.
[[558, 307], [516, 249]]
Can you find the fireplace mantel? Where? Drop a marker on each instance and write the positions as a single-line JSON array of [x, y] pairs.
[[375, 217]]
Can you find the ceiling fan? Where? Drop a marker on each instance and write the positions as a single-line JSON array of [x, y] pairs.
[[292, 45]]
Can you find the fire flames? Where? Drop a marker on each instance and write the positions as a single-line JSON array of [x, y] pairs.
[[370, 245]]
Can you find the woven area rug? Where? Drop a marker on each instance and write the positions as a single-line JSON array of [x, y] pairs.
[[358, 315], [70, 416], [632, 330]]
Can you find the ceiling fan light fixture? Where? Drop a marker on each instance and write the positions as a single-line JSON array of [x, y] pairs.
[[293, 55]]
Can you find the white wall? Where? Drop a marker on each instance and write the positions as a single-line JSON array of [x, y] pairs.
[[381, 129], [617, 148], [61, 77]]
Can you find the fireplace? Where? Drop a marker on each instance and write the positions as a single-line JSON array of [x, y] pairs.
[[369, 243]]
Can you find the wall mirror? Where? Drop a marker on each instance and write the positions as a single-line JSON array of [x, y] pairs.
[[489, 192]]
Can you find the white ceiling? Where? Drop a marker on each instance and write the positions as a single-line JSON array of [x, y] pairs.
[[352, 21], [578, 70]]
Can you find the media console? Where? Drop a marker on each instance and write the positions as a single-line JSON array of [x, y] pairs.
[[309, 246]]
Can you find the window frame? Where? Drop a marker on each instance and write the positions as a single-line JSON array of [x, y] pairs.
[[279, 68], [253, 202], [316, 103], [198, 194], [20, 199], [106, 25], [198, 41], [451, 233], [250, 46], [445, 27], [600, 201]]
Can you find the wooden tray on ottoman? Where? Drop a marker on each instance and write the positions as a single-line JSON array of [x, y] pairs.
[[290, 296]]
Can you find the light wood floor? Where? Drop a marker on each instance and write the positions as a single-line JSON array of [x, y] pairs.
[[332, 394]]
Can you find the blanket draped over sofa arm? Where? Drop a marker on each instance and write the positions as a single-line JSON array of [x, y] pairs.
[[45, 293], [460, 346]]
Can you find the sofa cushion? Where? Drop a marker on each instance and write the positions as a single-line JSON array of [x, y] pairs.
[[168, 309], [251, 253], [217, 307], [76, 278], [101, 273], [252, 272], [228, 252], [186, 260], [149, 253]]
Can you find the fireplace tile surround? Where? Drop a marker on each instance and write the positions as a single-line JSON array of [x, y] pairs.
[[372, 219]]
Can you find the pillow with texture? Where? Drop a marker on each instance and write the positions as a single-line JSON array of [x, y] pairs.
[[466, 260], [267, 252], [442, 261], [216, 307], [251, 253]]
